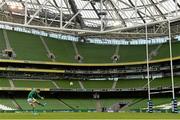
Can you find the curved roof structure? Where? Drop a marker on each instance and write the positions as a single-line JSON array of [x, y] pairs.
[[92, 14]]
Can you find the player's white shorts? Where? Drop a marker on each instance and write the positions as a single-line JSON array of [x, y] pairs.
[[30, 100]]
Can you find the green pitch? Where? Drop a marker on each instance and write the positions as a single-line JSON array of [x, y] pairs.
[[89, 116]]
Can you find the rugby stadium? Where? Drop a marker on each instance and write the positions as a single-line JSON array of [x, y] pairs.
[[89, 59]]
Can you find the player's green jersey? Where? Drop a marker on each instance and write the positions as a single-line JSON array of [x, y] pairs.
[[33, 94]]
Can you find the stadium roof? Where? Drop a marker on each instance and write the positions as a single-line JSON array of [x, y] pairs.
[[96, 14]]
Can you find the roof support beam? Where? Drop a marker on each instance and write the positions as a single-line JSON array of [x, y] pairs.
[[138, 10], [25, 11], [175, 1], [144, 21], [116, 11], [44, 3], [151, 16], [67, 6], [26, 14], [149, 24], [77, 13], [60, 12], [55, 29], [94, 8], [112, 18], [55, 3], [78, 17], [176, 5], [2, 4], [159, 11], [38, 2]]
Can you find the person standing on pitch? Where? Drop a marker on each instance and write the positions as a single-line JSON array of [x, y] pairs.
[[32, 96]]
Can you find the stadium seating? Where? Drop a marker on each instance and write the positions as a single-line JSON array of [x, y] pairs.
[[66, 84], [142, 103], [7, 102], [80, 103], [74, 104], [93, 53], [175, 49], [134, 83], [33, 84], [63, 50], [109, 102], [164, 50], [140, 83], [27, 46], [132, 53], [30, 47], [66, 104], [2, 41], [52, 104], [163, 82], [90, 84], [4, 82]]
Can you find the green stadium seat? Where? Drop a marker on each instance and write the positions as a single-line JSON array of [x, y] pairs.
[[80, 103], [52, 104], [2, 41], [30, 47], [97, 84], [4, 82], [93, 53], [63, 50], [27, 46], [66, 84], [33, 84]]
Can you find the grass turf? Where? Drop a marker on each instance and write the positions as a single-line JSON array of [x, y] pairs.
[[89, 116]]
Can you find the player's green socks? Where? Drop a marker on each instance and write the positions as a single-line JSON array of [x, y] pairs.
[[33, 110]]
